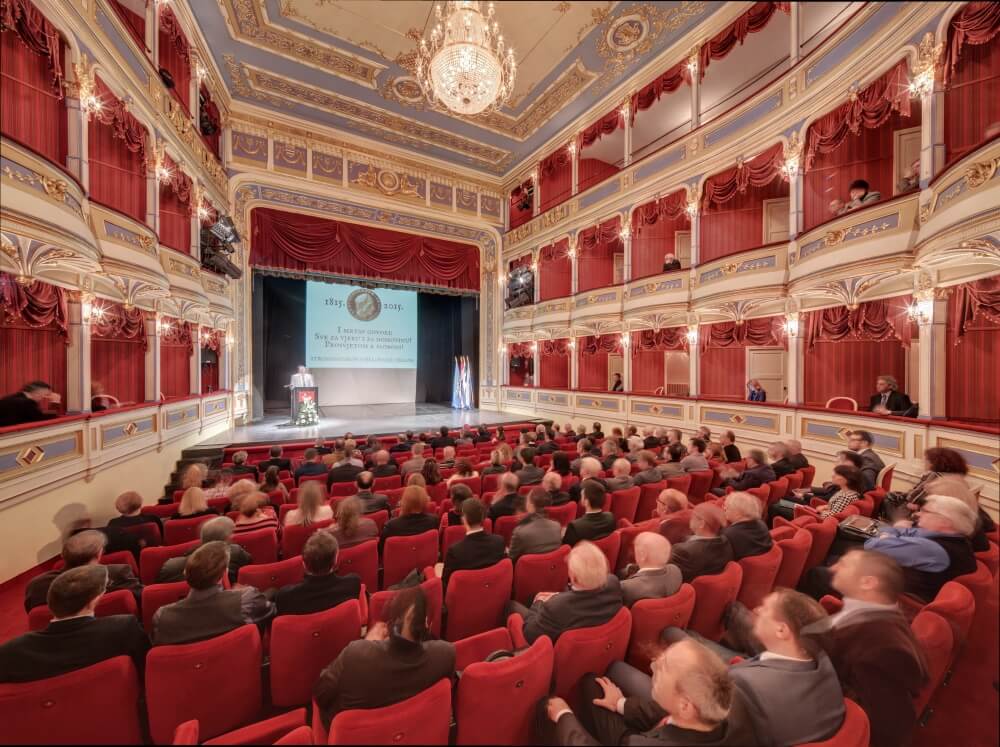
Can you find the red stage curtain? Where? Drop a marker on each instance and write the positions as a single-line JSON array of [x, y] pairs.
[[135, 23], [31, 70], [667, 82], [723, 373], [117, 156], [555, 176], [521, 362], [591, 171], [175, 55], [554, 364], [596, 247], [754, 20], [973, 358], [971, 77], [33, 335], [653, 227], [175, 209], [555, 271], [648, 347], [210, 113], [176, 348], [304, 243], [519, 216], [603, 126], [740, 224]]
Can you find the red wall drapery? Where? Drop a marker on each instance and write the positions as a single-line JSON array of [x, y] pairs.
[[763, 332], [210, 113], [520, 362], [874, 321], [305, 243], [555, 271], [758, 171], [31, 70], [176, 349], [175, 55], [593, 360], [723, 372], [135, 23], [754, 20], [117, 157], [519, 216], [973, 357], [175, 209], [555, 177], [739, 225], [554, 357], [667, 82], [603, 126], [33, 334], [653, 228], [971, 76], [596, 247], [36, 304], [591, 171], [648, 347]]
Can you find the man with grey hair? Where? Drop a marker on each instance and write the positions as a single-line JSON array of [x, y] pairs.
[[594, 597], [382, 466], [219, 529], [778, 454], [888, 400], [747, 534], [653, 577], [415, 463], [757, 473], [648, 473], [620, 475], [505, 500], [81, 549], [590, 470], [240, 466], [795, 456], [635, 445]]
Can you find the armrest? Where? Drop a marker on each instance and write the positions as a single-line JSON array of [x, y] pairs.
[[515, 627], [817, 502], [477, 647], [264, 732], [302, 735]]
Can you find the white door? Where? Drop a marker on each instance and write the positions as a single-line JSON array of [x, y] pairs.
[[616, 365], [676, 371], [775, 220], [768, 366]]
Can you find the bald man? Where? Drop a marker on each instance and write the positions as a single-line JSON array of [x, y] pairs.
[[655, 578]]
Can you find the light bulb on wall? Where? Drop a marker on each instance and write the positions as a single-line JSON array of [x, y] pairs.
[[921, 310], [791, 325], [692, 209], [571, 148], [572, 343], [922, 84], [692, 336], [625, 340]]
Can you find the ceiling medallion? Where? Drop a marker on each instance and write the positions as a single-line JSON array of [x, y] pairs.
[[466, 66]]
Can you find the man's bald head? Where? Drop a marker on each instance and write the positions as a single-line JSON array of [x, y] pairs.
[[652, 550]]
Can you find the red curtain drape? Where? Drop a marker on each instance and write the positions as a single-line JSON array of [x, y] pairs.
[[37, 304], [210, 114], [596, 247], [135, 23], [33, 334], [175, 209], [117, 157], [520, 362], [739, 224], [593, 360], [555, 177], [305, 243], [555, 271], [518, 215], [971, 77], [667, 82], [603, 126], [514, 264], [973, 357], [591, 171], [763, 332], [848, 368], [176, 349], [873, 321], [554, 357], [759, 171], [648, 347], [754, 20], [119, 323], [213, 339], [31, 70], [653, 228], [119, 365], [175, 55], [723, 373]]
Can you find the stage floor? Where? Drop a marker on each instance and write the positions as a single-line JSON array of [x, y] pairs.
[[360, 419]]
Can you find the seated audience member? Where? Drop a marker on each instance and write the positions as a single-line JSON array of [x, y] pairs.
[[393, 662], [272, 483], [193, 504], [546, 445], [935, 549], [477, 549], [940, 465], [780, 463], [552, 485], [255, 514], [217, 483], [648, 473], [370, 501], [618, 436], [670, 262], [458, 494], [674, 436], [634, 447], [673, 516], [99, 399], [561, 464], [747, 534], [276, 460], [621, 477], [618, 385], [795, 456], [596, 523], [463, 471], [691, 699], [888, 400], [312, 506], [321, 448], [590, 469], [343, 470], [858, 195], [758, 472], [483, 435], [695, 460], [447, 458], [911, 177], [704, 434], [609, 453], [415, 478], [871, 463], [535, 533], [649, 441], [877, 658], [505, 500], [405, 443], [321, 588], [350, 454], [351, 527], [209, 610], [382, 466], [594, 597], [755, 393], [675, 453], [715, 454], [238, 491], [529, 474], [26, 405], [728, 442], [220, 529], [597, 432], [129, 507], [430, 472], [311, 465], [194, 476], [848, 481], [240, 466], [495, 467], [82, 549], [707, 551], [827, 489], [442, 440], [74, 638], [413, 518], [652, 576]]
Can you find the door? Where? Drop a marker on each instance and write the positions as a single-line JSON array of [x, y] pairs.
[[775, 220], [768, 366]]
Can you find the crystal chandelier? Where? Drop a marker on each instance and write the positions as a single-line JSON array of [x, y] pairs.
[[465, 67]]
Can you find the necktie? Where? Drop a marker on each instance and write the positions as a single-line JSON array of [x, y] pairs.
[[885, 398]]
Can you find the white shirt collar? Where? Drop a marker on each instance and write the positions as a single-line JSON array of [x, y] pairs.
[[474, 531], [771, 655]]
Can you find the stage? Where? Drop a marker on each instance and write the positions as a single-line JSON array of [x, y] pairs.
[[375, 420]]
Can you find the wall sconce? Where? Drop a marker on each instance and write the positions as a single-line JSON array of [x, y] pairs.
[[160, 168], [922, 84], [790, 168], [626, 232], [626, 340], [534, 347], [625, 110], [86, 87], [571, 148], [791, 325], [692, 209], [163, 326], [692, 336], [921, 310], [571, 253], [925, 69], [199, 71], [692, 62]]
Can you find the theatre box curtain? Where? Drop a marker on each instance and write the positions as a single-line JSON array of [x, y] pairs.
[[520, 363], [175, 55], [648, 348], [211, 116], [593, 360], [723, 353], [590, 171], [973, 356], [135, 23], [33, 334], [555, 271], [117, 157], [176, 348], [971, 77], [667, 82], [118, 352], [654, 226], [304, 243], [554, 359], [555, 177], [175, 209], [521, 207], [596, 250], [738, 224], [754, 20], [31, 71]]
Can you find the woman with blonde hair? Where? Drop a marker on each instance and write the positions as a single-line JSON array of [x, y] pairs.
[[506, 453], [352, 528], [193, 504], [417, 479], [238, 490], [194, 475], [312, 507], [496, 466], [255, 514], [412, 518]]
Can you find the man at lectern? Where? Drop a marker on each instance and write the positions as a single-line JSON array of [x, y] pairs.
[[302, 378]]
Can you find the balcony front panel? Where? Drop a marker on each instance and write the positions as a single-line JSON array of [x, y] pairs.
[[758, 268], [659, 291], [598, 303]]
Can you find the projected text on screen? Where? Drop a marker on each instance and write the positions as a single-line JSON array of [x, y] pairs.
[[352, 327]]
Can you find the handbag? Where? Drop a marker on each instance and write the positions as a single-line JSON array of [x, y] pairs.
[[859, 527]]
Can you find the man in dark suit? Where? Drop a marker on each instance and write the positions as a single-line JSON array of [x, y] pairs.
[[780, 463], [345, 471], [546, 445], [649, 441], [405, 442], [552, 485], [888, 400], [26, 405], [443, 440], [596, 523], [728, 442], [506, 499], [81, 549], [795, 456], [310, 466], [529, 474], [707, 551], [74, 639], [276, 460], [321, 447], [209, 610], [653, 577], [219, 529], [871, 463], [535, 533], [478, 549], [758, 472], [648, 473], [240, 467], [590, 468], [370, 501], [747, 534], [621, 475], [382, 466], [321, 588], [594, 597]]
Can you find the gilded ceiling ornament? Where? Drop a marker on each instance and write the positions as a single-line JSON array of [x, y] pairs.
[[387, 182], [977, 174]]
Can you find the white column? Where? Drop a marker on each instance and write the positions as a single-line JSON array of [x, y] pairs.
[[575, 157], [195, 249], [152, 197], [536, 362], [153, 32], [574, 366], [794, 366], [536, 286], [77, 394], [627, 244], [153, 358], [194, 360], [76, 142], [694, 364], [575, 264], [225, 362], [795, 219], [931, 135], [627, 363], [793, 34], [695, 239], [695, 101], [536, 193], [932, 377], [628, 137]]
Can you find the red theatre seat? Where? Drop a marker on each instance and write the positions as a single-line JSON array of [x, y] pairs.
[[262, 544], [435, 598], [294, 537], [155, 596], [148, 534], [121, 602], [808, 475], [648, 494], [759, 572], [288, 728], [404, 554], [650, 617], [955, 603], [423, 719], [609, 546], [476, 599], [701, 482], [540, 572], [151, 559], [564, 513], [584, 650], [624, 503], [934, 635], [387, 483], [712, 594], [361, 559], [272, 575], [505, 526], [179, 531], [794, 552], [854, 732]]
